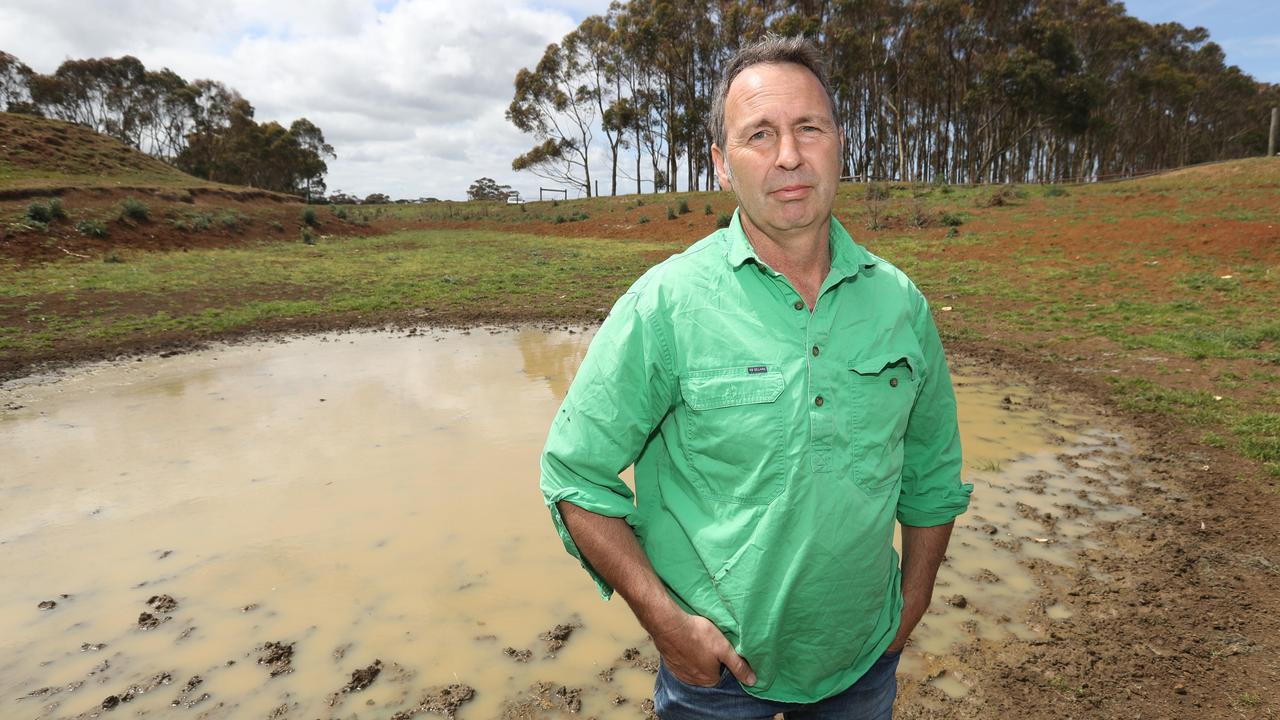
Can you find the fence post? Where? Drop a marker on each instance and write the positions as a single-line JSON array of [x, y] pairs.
[[1275, 131]]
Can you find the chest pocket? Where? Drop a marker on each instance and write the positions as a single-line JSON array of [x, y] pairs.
[[733, 432], [883, 390]]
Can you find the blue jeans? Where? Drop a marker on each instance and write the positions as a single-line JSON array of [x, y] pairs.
[[870, 698]]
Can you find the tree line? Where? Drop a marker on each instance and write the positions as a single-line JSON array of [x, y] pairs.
[[954, 91], [204, 128]]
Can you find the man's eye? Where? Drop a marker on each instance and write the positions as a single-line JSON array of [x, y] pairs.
[[810, 129], [758, 135]]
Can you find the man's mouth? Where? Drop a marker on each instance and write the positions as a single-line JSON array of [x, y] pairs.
[[791, 192]]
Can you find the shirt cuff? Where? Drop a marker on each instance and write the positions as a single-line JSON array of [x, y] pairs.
[[938, 506], [616, 508]]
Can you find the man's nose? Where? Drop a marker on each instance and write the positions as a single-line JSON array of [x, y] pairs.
[[788, 151]]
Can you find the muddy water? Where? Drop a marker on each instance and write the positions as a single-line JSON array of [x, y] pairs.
[[240, 530]]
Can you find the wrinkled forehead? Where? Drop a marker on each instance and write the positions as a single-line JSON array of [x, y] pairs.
[[776, 92]]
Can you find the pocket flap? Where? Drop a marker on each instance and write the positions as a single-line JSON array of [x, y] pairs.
[[727, 387], [873, 366]]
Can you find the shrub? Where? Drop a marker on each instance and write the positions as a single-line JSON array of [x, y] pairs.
[[275, 225], [951, 219], [232, 220], [307, 239], [684, 207], [875, 214], [134, 209], [643, 219], [877, 191], [580, 215], [91, 228], [555, 203], [309, 216], [559, 219], [639, 202], [1055, 191], [953, 231], [112, 257], [39, 212], [340, 213], [1002, 195], [724, 220], [707, 210], [671, 214], [56, 211], [919, 216], [947, 189]]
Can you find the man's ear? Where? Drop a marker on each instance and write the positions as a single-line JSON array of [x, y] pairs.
[[723, 173]]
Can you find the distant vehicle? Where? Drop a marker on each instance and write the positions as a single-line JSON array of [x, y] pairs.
[[513, 198]]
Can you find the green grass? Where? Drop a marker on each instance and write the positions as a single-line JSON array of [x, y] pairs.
[[442, 272]]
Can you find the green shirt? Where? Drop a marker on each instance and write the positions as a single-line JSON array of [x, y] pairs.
[[773, 449]]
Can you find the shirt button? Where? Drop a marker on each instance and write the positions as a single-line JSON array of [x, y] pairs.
[[893, 382], [815, 351], [799, 305], [818, 401]]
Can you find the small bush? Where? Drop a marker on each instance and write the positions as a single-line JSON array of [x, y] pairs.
[[340, 213], [1055, 191], [56, 211], [877, 191], [724, 220], [39, 212], [919, 216], [947, 190], [112, 257], [91, 228], [671, 214], [1002, 195], [953, 232], [559, 219], [134, 209], [522, 208], [951, 219], [307, 238], [580, 215], [555, 203], [684, 207], [707, 210], [642, 220], [309, 216], [275, 225], [639, 202], [232, 220], [875, 214]]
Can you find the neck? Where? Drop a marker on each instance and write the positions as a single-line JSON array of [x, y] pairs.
[[803, 256]]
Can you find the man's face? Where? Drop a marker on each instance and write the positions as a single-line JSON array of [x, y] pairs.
[[782, 146]]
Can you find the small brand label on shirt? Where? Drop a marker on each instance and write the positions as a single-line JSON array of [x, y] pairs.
[[757, 369]]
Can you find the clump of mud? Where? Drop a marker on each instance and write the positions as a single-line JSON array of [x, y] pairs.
[[277, 656], [133, 691], [544, 697], [186, 696], [360, 679], [557, 636], [160, 604], [522, 656], [441, 701]]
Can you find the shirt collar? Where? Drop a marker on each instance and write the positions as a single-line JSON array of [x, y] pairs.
[[848, 258]]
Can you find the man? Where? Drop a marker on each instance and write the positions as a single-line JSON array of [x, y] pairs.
[[783, 396]]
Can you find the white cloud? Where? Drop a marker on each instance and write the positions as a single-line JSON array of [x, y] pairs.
[[411, 96]]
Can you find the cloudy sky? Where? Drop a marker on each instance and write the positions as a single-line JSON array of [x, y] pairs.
[[411, 94]]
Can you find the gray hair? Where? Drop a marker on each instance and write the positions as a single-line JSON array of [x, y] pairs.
[[769, 50]]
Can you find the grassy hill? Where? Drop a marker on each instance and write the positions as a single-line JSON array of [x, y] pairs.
[[41, 155]]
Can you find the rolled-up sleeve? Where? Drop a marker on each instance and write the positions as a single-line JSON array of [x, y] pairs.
[[620, 394], [932, 493]]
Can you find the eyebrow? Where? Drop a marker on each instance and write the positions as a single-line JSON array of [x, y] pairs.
[[802, 120]]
